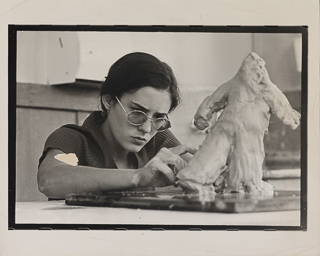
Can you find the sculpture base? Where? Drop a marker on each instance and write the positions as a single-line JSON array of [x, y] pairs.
[[180, 201]]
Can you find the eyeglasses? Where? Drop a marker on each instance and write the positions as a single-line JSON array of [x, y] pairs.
[[137, 117]]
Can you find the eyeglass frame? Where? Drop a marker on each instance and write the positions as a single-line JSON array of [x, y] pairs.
[[148, 118]]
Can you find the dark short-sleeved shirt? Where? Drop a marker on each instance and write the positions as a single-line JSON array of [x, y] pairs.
[[91, 149]]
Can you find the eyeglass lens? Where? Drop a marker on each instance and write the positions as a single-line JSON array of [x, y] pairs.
[[138, 118]]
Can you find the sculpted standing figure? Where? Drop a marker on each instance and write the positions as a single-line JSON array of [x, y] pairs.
[[234, 146]]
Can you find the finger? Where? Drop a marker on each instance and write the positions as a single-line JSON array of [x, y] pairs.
[[168, 173], [177, 169], [169, 158], [184, 148], [176, 163], [186, 151]]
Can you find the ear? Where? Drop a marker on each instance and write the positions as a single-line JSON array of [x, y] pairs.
[[107, 101]]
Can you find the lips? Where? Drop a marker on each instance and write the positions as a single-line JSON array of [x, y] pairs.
[[139, 140]]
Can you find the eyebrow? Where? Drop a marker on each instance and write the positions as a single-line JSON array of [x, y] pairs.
[[145, 109]]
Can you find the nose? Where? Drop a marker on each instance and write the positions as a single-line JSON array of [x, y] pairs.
[[146, 126]]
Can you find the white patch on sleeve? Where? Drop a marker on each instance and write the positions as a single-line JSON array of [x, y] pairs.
[[71, 158], [135, 180]]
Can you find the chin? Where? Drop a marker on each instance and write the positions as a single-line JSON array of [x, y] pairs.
[[134, 148]]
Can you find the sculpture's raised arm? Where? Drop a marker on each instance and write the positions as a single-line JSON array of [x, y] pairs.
[[278, 103], [211, 104]]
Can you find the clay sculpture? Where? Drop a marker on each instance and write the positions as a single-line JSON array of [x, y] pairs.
[[233, 149]]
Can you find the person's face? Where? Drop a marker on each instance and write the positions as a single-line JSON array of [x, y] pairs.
[[154, 103]]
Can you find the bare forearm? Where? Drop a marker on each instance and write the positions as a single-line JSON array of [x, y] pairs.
[[57, 181], [58, 178]]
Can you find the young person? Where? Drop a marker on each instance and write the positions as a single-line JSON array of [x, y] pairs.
[[127, 145]]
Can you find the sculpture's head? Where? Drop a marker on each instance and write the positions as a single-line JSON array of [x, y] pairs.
[[253, 68]]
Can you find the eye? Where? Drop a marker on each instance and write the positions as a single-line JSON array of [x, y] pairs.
[[136, 109], [160, 116]]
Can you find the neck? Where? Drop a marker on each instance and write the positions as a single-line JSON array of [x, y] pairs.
[[116, 150], [123, 158]]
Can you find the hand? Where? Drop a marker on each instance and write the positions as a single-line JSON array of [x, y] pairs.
[[201, 123], [161, 169]]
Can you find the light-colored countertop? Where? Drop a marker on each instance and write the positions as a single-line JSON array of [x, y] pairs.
[[57, 212]]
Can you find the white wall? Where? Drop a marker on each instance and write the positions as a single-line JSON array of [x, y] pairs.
[[198, 59], [47, 57], [283, 60]]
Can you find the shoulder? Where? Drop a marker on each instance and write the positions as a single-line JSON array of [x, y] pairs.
[[166, 139], [67, 134], [69, 139], [165, 135]]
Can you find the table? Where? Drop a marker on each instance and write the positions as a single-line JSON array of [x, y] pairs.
[[57, 212]]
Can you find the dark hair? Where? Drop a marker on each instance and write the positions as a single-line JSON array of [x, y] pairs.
[[137, 70]]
